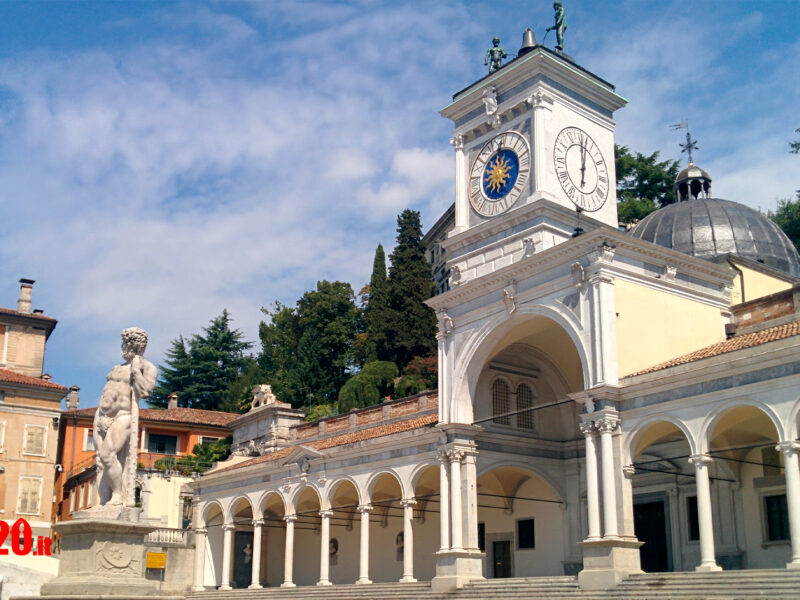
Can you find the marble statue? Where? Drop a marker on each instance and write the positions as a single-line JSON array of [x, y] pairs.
[[116, 421]]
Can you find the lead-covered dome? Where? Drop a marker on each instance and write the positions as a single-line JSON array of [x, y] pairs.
[[710, 227]]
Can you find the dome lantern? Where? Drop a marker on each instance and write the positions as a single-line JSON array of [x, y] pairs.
[[692, 183]]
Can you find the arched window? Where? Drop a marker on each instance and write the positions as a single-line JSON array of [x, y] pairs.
[[525, 420], [500, 403]]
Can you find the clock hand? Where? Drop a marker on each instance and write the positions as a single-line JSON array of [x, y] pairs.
[[583, 165]]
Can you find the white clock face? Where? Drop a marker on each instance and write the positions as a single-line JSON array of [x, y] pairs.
[[499, 174], [581, 169]]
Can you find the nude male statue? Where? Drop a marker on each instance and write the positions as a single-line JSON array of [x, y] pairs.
[[126, 384]]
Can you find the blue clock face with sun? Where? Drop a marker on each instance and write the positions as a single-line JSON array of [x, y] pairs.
[[499, 174]]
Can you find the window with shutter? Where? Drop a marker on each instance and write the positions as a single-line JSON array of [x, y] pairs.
[[525, 420], [2, 435], [29, 489], [34, 439], [2, 344]]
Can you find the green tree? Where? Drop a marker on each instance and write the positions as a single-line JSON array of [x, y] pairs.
[[794, 147], [202, 370], [368, 386], [787, 216], [410, 325], [174, 376], [306, 351], [239, 395], [643, 183], [377, 310]]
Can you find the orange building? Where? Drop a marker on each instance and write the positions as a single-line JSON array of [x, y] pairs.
[[166, 437], [30, 406]]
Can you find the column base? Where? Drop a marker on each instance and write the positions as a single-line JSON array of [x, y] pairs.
[[254, 586], [606, 562], [363, 581], [456, 568], [407, 579], [710, 568], [224, 587], [198, 588], [324, 583], [288, 584], [793, 565]]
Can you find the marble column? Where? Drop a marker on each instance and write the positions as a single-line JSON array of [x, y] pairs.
[[408, 540], [227, 546], [606, 427], [792, 474], [542, 105], [444, 502], [708, 561], [255, 577], [288, 558], [471, 499], [455, 457], [363, 571], [592, 491], [199, 559], [324, 547], [461, 200]]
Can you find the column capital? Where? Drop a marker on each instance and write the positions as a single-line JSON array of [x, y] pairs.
[[629, 471], [290, 518], [600, 278], [258, 522], [365, 508], [455, 455], [587, 427], [228, 527], [200, 531], [790, 447], [442, 457], [326, 514], [700, 460], [406, 502], [457, 141], [607, 423], [540, 100]]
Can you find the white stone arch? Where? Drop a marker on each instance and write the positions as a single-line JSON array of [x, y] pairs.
[[334, 485], [204, 511], [230, 504], [370, 487], [524, 466], [418, 470], [262, 501], [789, 431], [632, 436], [480, 344], [711, 419], [298, 491]]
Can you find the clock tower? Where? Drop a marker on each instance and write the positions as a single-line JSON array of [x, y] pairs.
[[534, 146]]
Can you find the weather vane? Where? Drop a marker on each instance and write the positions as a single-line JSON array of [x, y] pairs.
[[690, 143]]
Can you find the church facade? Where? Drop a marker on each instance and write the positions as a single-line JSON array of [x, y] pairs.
[[608, 402]]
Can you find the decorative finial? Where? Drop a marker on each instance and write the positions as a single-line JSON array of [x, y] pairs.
[[560, 25], [494, 56], [690, 143]]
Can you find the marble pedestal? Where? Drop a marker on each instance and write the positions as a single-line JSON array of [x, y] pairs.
[[607, 561], [101, 557], [454, 568]]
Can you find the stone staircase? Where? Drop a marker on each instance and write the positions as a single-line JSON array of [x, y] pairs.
[[766, 584]]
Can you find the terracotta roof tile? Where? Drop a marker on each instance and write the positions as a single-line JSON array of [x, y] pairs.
[[14, 377], [194, 416], [344, 439], [739, 342]]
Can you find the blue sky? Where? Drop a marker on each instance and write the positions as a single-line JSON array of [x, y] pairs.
[[162, 161]]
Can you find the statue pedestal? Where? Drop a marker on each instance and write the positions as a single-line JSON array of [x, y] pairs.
[[455, 568], [607, 561], [102, 556]]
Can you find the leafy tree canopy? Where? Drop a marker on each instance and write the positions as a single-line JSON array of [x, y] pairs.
[[794, 147], [368, 386], [376, 312], [643, 183], [787, 216]]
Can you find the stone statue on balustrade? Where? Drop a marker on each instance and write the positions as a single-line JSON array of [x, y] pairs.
[[116, 422]]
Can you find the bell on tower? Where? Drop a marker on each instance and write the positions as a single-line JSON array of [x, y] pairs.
[[528, 42]]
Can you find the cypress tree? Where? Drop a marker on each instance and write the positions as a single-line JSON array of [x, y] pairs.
[[376, 311], [411, 324]]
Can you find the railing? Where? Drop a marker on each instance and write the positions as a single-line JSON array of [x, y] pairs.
[[185, 464], [80, 467], [165, 536]]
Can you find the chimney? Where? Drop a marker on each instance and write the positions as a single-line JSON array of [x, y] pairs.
[[24, 302], [73, 398], [172, 400]]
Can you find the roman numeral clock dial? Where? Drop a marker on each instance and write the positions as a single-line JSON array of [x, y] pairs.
[[499, 174], [581, 169]]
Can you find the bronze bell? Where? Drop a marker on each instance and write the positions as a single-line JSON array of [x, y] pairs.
[[528, 42]]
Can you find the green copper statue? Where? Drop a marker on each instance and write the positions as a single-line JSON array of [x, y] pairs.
[[560, 27], [494, 56]]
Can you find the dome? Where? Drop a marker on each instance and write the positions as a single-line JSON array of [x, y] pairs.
[[711, 227]]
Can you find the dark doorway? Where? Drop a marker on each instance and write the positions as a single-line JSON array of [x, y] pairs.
[[650, 525], [501, 553], [242, 558]]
